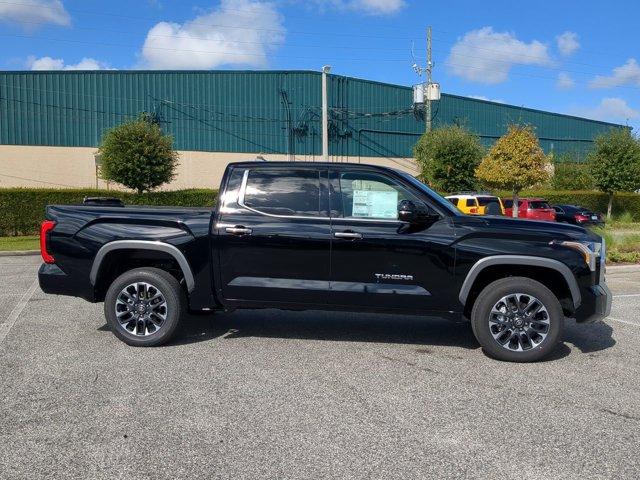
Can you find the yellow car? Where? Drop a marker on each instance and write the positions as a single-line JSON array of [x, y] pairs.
[[477, 203]]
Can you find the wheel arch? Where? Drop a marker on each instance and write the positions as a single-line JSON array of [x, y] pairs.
[[142, 245], [558, 275]]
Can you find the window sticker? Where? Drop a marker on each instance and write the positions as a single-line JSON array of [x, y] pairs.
[[375, 204]]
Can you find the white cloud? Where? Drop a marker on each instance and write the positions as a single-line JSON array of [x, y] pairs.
[[611, 109], [206, 42], [370, 7], [48, 63], [627, 74], [487, 99], [485, 56], [30, 13], [567, 43], [565, 82]]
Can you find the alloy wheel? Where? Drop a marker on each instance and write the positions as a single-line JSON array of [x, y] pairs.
[[519, 322], [141, 309]]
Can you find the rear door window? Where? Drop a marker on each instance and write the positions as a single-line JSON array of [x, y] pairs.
[[453, 200], [537, 205], [283, 192], [484, 201], [508, 203]]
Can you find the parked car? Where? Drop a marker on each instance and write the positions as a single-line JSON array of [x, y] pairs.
[[477, 203], [530, 209], [577, 215], [327, 236]]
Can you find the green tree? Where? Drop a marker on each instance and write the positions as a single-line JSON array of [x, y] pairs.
[[515, 161], [138, 155], [571, 175], [448, 157], [615, 163]]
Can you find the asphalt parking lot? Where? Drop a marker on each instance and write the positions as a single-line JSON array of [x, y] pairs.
[[272, 394]]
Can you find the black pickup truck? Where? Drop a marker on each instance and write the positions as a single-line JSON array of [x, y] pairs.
[[327, 236]]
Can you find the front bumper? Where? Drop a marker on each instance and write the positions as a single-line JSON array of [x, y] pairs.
[[596, 304]]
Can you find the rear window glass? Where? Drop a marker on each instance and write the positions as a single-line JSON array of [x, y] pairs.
[[538, 205], [471, 202], [507, 203], [284, 192], [484, 201]]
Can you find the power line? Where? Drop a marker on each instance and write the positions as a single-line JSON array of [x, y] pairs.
[[217, 52], [203, 38]]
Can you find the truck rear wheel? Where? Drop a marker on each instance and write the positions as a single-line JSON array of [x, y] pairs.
[[143, 307], [517, 319]]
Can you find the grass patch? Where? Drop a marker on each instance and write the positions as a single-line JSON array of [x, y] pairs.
[[12, 244], [623, 244]]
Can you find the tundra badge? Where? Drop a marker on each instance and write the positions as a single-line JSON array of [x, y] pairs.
[[392, 276]]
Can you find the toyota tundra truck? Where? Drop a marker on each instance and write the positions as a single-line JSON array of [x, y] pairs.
[[327, 236]]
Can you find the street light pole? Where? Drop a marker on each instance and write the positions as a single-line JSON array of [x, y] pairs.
[[427, 112], [325, 114]]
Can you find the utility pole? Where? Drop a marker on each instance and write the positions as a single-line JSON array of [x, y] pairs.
[[427, 111], [325, 115]]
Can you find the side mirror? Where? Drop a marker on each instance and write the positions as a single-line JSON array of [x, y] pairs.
[[414, 214], [407, 211]]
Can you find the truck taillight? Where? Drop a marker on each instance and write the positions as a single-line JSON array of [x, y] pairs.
[[45, 228]]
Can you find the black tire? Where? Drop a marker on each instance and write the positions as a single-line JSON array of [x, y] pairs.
[[173, 308], [529, 351]]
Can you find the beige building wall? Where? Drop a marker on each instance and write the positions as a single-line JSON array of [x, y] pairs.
[[74, 167]]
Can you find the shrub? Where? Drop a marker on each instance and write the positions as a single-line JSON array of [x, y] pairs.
[[448, 158], [138, 155], [571, 176], [22, 209]]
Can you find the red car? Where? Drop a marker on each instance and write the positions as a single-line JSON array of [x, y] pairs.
[[531, 209]]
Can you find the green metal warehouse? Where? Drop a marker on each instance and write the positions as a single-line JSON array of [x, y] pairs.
[[52, 122]]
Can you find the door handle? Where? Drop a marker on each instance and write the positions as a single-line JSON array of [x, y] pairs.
[[348, 235], [238, 230]]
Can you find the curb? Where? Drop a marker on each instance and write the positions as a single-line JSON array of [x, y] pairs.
[[623, 268], [19, 253]]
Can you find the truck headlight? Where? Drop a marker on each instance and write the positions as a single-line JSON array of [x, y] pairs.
[[589, 251]]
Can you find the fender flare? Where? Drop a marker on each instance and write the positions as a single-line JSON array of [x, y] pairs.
[[485, 262], [143, 245]]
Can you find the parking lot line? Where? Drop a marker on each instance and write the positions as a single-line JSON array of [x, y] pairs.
[[627, 295], [623, 321], [17, 310]]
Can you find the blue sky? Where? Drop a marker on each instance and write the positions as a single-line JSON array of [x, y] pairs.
[[576, 57]]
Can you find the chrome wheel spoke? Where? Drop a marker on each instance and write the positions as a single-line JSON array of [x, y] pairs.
[[519, 322], [141, 309]]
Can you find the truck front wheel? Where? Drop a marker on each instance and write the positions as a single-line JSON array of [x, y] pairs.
[[517, 319], [143, 306]]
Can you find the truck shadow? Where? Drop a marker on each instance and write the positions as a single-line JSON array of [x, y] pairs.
[[365, 327]]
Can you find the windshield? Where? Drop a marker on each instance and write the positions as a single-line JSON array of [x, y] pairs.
[[436, 197]]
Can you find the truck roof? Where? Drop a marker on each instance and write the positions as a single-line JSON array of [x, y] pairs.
[[283, 163]]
